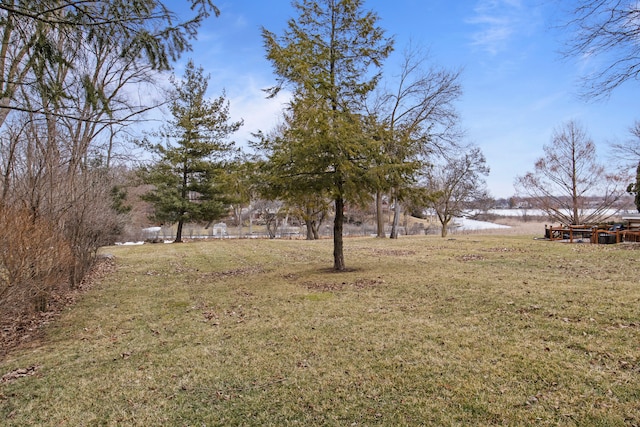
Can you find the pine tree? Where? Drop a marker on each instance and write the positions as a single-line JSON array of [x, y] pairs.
[[191, 155], [329, 56]]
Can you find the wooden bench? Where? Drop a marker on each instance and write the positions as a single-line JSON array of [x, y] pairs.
[[570, 232], [632, 231]]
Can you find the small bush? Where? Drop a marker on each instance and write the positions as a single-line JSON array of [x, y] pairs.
[[34, 259]]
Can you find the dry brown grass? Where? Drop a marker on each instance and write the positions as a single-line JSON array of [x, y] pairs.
[[471, 330], [518, 227]]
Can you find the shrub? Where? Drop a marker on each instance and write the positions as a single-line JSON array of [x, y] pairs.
[[34, 259]]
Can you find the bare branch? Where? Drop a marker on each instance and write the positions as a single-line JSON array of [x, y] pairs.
[[606, 30]]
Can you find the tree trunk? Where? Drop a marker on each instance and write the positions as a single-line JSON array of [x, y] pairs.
[[179, 232], [271, 219], [8, 167], [380, 215], [338, 253], [310, 226], [5, 104], [184, 195], [396, 219], [636, 189], [445, 228], [239, 219], [574, 189], [309, 222]]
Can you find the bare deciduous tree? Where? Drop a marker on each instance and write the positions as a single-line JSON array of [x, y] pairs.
[[311, 210], [569, 184], [77, 204], [454, 183], [629, 150], [66, 70], [608, 30], [59, 147], [629, 153], [417, 117]]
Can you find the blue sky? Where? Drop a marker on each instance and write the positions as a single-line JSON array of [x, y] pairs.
[[516, 86]]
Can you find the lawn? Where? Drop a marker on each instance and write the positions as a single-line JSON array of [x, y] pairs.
[[474, 330]]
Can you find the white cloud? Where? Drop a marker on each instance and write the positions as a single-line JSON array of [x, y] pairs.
[[499, 21], [249, 103]]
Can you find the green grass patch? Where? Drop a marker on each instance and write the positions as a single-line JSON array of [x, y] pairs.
[[476, 330]]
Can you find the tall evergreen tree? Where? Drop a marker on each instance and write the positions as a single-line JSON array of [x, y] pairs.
[[329, 55], [191, 156]]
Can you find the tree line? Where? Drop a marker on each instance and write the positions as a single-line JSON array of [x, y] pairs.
[[353, 131], [66, 73], [348, 133]]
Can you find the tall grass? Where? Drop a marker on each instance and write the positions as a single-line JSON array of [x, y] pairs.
[[476, 330]]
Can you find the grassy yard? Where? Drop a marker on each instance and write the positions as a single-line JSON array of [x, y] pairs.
[[475, 330]]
